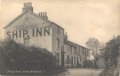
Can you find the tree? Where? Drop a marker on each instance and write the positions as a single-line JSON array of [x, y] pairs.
[[94, 45], [112, 52]]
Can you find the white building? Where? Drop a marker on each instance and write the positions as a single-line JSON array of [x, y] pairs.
[[33, 29]]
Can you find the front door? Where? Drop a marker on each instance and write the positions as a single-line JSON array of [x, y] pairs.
[[62, 59], [71, 61]]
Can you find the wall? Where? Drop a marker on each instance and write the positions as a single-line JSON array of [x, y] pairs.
[[29, 22], [57, 34], [77, 54], [74, 52]]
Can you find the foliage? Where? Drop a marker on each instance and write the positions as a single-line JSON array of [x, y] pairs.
[[90, 64], [112, 51], [94, 45], [18, 57]]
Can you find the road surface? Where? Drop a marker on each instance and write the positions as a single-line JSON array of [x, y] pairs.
[[72, 72], [81, 72]]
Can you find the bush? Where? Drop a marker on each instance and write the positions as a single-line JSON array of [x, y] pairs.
[[90, 64], [17, 57]]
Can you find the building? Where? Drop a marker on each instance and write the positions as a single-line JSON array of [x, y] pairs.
[[33, 29]]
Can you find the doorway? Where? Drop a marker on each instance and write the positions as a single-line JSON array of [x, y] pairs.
[[62, 59]]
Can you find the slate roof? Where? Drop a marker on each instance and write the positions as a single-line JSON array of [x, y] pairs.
[[73, 44]]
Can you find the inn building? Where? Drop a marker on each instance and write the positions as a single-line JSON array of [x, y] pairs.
[[37, 30]]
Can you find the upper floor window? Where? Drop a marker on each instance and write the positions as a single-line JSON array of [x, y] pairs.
[[85, 53], [79, 50], [71, 49], [58, 30], [82, 51], [62, 48], [58, 43], [75, 49], [68, 47]]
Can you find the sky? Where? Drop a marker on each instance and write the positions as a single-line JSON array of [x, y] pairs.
[[81, 19]]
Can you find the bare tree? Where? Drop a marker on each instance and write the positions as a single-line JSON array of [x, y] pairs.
[[94, 45]]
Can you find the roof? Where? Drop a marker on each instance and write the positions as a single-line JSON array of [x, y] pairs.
[[73, 44], [14, 20], [32, 14], [70, 43], [84, 47]]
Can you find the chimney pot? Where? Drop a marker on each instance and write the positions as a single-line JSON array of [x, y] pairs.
[[27, 7], [43, 15]]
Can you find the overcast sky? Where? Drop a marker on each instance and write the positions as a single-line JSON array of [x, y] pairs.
[[81, 19]]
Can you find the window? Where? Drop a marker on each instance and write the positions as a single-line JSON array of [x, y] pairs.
[[85, 54], [57, 58], [71, 49], [75, 50], [80, 59], [65, 47], [62, 48], [58, 30], [83, 51], [79, 50], [58, 43], [68, 59], [68, 47], [26, 41]]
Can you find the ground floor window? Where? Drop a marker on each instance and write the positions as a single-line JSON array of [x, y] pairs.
[[26, 41], [68, 59], [57, 58]]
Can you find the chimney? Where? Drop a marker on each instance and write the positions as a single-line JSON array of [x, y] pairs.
[[43, 15], [65, 36], [27, 7]]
